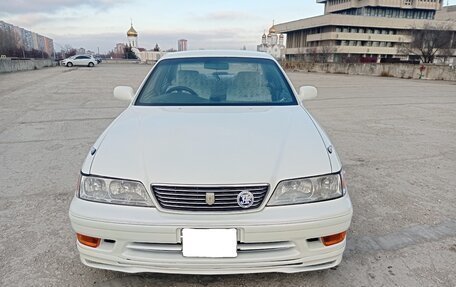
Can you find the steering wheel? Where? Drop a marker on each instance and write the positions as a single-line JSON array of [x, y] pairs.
[[182, 89]]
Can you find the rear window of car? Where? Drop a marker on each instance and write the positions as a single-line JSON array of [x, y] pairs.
[[216, 81]]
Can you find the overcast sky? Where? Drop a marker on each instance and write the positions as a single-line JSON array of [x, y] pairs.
[[209, 24]]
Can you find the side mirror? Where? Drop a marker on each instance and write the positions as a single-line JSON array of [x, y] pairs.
[[124, 93], [307, 93]]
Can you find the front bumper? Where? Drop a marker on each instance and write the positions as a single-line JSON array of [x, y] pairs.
[[275, 239]]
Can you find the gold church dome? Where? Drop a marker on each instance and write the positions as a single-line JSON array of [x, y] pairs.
[[132, 32], [272, 30]]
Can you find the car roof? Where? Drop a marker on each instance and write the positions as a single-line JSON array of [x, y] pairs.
[[217, 53]]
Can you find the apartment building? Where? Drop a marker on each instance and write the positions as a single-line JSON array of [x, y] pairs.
[[25, 40]]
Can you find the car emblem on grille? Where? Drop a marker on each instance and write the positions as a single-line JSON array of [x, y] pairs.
[[245, 199], [210, 198]]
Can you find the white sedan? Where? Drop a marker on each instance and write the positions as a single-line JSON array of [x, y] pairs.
[[80, 60], [215, 167]]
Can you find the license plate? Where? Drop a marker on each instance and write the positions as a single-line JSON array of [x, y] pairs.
[[211, 243]]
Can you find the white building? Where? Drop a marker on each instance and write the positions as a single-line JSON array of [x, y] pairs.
[[119, 49], [182, 45], [273, 44]]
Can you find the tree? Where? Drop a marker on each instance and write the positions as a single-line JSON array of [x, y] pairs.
[[69, 50], [429, 42], [320, 54], [326, 52], [312, 55], [129, 54]]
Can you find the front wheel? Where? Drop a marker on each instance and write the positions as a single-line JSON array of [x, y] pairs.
[[91, 64], [69, 64]]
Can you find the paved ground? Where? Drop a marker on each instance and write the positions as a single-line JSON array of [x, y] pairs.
[[396, 137]]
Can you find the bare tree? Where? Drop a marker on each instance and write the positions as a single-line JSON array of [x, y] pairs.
[[325, 53], [69, 50], [429, 42], [312, 55], [320, 54]]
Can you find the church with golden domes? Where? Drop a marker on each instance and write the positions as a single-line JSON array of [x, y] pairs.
[[273, 44], [142, 54]]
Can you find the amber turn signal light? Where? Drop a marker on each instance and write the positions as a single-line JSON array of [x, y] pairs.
[[333, 239], [88, 240]]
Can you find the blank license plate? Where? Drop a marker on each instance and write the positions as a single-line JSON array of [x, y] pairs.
[[212, 243]]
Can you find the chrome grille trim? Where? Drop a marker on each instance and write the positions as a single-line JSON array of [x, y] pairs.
[[193, 198]]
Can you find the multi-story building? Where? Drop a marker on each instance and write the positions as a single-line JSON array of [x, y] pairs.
[[447, 13], [27, 40], [369, 29], [182, 45], [120, 48]]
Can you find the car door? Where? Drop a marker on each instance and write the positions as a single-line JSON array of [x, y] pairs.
[[77, 61], [82, 60]]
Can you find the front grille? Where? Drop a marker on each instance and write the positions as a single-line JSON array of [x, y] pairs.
[[193, 198]]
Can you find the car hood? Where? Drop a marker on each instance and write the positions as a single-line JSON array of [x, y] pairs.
[[211, 145]]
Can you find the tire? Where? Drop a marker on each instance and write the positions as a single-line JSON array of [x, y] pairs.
[[69, 64], [91, 64]]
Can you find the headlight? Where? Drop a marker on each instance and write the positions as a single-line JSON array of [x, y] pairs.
[[115, 191], [310, 189]]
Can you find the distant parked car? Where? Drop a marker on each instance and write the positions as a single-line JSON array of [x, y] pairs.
[[80, 60]]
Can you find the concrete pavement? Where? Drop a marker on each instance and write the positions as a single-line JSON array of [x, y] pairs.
[[395, 137]]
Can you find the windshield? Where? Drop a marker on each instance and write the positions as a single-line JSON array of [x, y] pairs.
[[216, 81]]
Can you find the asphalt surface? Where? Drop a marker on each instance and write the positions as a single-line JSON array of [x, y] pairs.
[[395, 137]]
